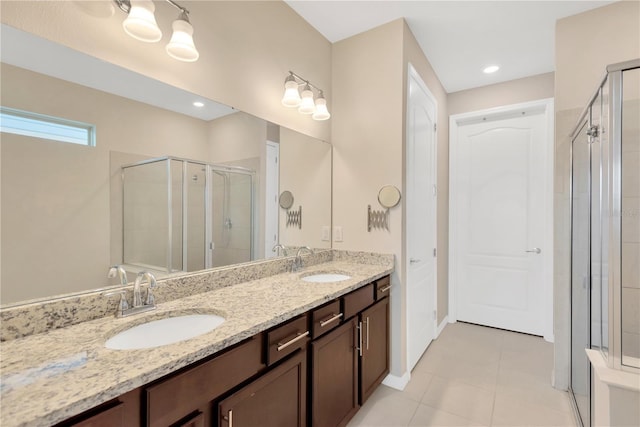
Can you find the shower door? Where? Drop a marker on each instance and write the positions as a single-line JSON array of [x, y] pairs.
[[580, 273]]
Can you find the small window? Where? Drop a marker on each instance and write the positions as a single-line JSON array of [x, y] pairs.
[[46, 127]]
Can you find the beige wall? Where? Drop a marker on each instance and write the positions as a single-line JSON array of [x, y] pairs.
[[585, 44], [308, 177], [367, 137], [500, 94], [246, 49], [370, 79]]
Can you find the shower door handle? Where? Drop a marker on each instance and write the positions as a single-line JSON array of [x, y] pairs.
[[536, 250]]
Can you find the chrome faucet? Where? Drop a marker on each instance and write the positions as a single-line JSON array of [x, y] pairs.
[[118, 270], [297, 261], [138, 306], [114, 271], [279, 247], [137, 295]]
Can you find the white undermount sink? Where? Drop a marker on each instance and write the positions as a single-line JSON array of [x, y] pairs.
[[325, 277], [165, 331]]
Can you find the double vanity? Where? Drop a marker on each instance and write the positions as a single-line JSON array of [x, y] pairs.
[[310, 345]]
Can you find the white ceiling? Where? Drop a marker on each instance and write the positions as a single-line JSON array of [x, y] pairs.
[[460, 38]]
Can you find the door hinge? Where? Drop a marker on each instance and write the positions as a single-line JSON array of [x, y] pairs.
[[435, 190], [435, 127], [435, 252], [435, 315]]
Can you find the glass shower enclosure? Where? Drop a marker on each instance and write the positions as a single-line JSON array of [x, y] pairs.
[[605, 232], [182, 215]]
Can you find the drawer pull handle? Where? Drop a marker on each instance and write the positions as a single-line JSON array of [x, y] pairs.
[[385, 289], [298, 337], [333, 318]]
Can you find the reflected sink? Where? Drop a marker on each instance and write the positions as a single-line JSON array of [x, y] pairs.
[[325, 277], [161, 332]]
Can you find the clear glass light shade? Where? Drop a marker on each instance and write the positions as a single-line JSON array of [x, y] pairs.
[[291, 96], [141, 22], [321, 112], [181, 45], [307, 106]]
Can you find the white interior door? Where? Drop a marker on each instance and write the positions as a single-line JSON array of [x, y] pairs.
[[498, 212], [271, 235], [421, 219]]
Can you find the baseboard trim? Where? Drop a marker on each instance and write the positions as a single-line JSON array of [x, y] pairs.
[[394, 381], [441, 326]]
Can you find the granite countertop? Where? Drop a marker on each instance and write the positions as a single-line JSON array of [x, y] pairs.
[[49, 377]]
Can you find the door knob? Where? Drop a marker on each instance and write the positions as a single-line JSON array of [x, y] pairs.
[[536, 250], [413, 260]]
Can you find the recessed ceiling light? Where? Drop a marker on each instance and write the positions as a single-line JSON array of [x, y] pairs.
[[491, 69], [198, 104]]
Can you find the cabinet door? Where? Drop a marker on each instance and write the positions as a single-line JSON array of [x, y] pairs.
[[335, 377], [374, 363], [276, 399]]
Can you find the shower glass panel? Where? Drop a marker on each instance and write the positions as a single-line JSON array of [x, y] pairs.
[[232, 217], [596, 226], [195, 221], [145, 215], [176, 214], [580, 274], [630, 221], [181, 215], [605, 233]]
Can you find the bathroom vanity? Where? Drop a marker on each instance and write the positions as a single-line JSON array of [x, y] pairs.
[[310, 352]]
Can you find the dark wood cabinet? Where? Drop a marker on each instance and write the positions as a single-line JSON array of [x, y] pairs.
[[374, 363], [279, 377], [121, 412], [276, 399], [190, 392], [334, 378]]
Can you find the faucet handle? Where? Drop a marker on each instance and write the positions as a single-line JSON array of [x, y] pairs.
[[123, 304]]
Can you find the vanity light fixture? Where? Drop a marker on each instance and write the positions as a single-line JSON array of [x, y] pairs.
[[141, 25], [305, 102]]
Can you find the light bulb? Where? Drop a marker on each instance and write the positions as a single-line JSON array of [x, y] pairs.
[[321, 112], [141, 23], [181, 45], [291, 97], [307, 106]]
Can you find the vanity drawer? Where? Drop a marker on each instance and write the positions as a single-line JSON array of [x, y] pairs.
[[287, 338], [172, 399], [357, 301], [383, 287], [325, 318]]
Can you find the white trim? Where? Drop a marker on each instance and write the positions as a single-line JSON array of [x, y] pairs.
[[399, 383], [441, 326], [546, 106]]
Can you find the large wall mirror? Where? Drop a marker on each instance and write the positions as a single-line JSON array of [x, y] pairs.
[[169, 186]]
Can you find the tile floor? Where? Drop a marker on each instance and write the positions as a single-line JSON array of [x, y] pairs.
[[474, 376]]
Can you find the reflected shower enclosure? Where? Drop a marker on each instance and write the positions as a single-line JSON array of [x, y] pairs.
[[182, 215]]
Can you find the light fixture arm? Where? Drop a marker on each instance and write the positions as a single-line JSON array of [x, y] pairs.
[[125, 6], [302, 81]]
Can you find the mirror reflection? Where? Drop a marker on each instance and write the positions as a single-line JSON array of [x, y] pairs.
[[167, 191]]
